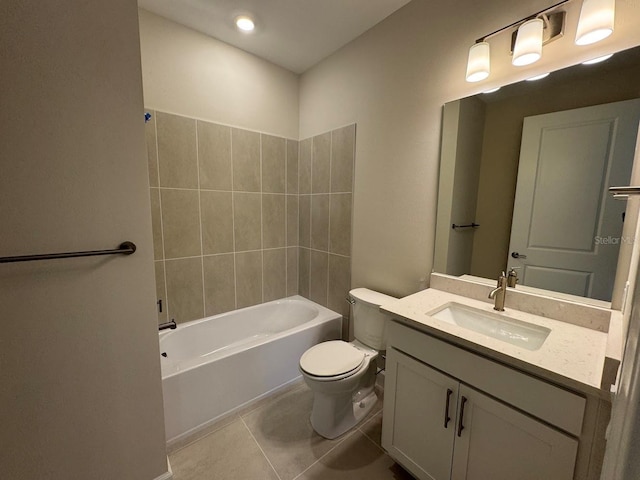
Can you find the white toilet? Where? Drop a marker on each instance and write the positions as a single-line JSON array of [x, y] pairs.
[[341, 374]]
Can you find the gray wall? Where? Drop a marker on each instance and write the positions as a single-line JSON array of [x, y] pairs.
[[81, 393]]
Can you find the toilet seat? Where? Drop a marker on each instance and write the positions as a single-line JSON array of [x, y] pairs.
[[332, 360]]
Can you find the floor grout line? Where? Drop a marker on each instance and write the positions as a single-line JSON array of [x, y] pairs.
[[368, 437], [346, 436], [260, 447], [214, 429]]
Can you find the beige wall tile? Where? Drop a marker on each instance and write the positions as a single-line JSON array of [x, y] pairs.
[[248, 278], [304, 235], [292, 220], [214, 156], [303, 269], [318, 277], [247, 214], [304, 165], [339, 284], [342, 158], [292, 271], [340, 229], [177, 158], [184, 289], [274, 264], [180, 223], [216, 214], [292, 166], [274, 152], [156, 224], [245, 148], [152, 148], [161, 291], [320, 164], [219, 284], [320, 222], [273, 220]]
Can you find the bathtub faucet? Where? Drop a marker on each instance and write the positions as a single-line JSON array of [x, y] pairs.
[[172, 325]]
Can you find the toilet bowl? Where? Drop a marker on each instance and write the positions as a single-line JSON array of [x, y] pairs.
[[342, 374]]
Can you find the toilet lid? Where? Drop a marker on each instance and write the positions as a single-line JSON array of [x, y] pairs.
[[329, 359]]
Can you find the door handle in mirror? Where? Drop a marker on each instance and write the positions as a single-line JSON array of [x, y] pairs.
[[517, 255]]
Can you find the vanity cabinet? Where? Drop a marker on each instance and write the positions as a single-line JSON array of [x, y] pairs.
[[441, 426]]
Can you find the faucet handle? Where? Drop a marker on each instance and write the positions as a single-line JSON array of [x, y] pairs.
[[512, 277]]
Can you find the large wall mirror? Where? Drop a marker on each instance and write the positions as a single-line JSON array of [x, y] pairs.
[[524, 175]]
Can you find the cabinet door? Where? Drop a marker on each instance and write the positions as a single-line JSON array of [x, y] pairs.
[[498, 442], [418, 428]]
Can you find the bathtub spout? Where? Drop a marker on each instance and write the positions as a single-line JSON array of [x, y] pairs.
[[172, 325]]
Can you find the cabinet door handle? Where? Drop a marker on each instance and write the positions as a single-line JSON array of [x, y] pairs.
[[446, 408], [460, 426]]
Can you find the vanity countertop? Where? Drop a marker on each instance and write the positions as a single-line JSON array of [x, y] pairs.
[[572, 355]]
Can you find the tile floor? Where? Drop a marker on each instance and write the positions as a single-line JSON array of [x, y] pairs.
[[274, 441]]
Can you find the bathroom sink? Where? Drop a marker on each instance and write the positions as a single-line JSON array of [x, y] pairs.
[[501, 327]]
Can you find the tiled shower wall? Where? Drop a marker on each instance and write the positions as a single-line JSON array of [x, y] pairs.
[[326, 186], [224, 213], [227, 229]]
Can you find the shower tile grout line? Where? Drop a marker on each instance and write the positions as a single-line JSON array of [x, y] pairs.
[[261, 228], [260, 447], [329, 217], [204, 296], [233, 222], [164, 256]]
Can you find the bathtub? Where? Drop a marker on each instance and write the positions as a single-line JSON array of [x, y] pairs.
[[216, 365]]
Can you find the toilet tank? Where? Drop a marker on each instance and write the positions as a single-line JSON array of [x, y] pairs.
[[369, 324]]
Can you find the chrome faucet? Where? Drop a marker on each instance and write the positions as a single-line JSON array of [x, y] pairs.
[[499, 293]]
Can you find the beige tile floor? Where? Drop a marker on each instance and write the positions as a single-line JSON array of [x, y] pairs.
[[274, 441]]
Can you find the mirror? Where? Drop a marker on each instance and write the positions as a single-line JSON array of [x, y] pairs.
[[524, 173]]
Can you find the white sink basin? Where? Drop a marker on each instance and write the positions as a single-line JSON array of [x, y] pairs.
[[501, 327]]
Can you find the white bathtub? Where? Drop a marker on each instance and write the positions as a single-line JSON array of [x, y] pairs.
[[215, 365]]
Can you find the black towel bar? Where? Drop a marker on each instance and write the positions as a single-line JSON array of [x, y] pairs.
[[125, 248]]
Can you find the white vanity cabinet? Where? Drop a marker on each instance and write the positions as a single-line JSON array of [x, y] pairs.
[[439, 425]]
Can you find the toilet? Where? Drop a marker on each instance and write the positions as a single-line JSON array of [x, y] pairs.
[[342, 374]]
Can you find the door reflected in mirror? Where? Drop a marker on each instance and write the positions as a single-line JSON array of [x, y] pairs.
[[531, 164]]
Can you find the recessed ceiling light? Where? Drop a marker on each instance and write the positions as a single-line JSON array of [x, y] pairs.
[[598, 59], [245, 23], [538, 77], [492, 90]]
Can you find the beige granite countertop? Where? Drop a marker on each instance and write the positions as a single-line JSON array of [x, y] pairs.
[[572, 355]]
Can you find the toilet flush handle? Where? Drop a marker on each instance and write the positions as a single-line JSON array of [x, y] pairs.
[[350, 300]]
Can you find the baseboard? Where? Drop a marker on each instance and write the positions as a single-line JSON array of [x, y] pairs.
[[168, 475]]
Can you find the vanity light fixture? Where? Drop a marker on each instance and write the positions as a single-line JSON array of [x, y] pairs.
[[538, 77], [529, 34], [479, 64], [596, 21], [598, 59], [528, 46], [245, 23]]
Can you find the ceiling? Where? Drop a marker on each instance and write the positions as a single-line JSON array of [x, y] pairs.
[[295, 34]]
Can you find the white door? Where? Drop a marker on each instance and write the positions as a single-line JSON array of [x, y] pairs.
[[566, 229], [494, 441], [419, 416]]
